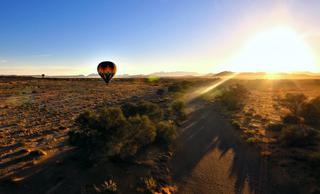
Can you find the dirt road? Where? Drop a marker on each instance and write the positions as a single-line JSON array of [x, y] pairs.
[[211, 158]]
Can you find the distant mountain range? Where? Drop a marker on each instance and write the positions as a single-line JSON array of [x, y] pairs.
[[244, 75], [266, 75], [156, 74]]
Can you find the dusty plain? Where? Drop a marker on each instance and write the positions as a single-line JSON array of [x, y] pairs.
[[210, 156]]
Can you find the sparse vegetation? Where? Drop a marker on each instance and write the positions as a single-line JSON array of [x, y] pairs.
[[179, 86], [118, 138]]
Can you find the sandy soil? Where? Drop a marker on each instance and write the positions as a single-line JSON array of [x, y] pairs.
[[212, 158], [36, 114]]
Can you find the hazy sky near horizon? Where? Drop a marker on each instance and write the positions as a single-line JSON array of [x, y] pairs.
[[59, 37]]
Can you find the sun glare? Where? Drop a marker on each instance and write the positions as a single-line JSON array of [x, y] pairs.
[[277, 50]]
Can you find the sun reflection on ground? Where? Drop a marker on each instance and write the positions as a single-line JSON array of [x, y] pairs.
[[209, 88]]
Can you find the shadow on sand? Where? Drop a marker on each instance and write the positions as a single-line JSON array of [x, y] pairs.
[[206, 130]]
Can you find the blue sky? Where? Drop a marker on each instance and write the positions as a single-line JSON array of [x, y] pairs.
[[140, 36]]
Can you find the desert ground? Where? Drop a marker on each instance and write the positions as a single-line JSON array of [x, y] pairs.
[[38, 113], [209, 155]]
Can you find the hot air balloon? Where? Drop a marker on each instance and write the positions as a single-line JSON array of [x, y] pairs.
[[107, 70]]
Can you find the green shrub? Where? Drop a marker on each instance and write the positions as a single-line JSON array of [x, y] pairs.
[[86, 118], [111, 132], [298, 135], [152, 110], [236, 124], [311, 112], [177, 109], [252, 140], [126, 142], [129, 109], [233, 97], [110, 121], [166, 132]]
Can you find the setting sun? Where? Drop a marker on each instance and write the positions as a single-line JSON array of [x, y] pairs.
[[277, 50]]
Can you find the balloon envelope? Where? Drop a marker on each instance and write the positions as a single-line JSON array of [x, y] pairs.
[[107, 70]]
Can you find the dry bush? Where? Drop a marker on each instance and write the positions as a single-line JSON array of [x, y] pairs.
[[311, 112], [236, 124], [111, 132], [276, 127], [179, 86], [128, 141], [291, 119], [160, 92], [129, 109], [122, 132], [152, 110], [299, 108], [147, 185], [293, 102], [177, 110], [166, 132], [109, 186], [233, 97], [298, 136]]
